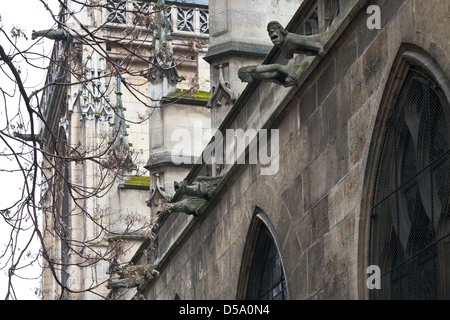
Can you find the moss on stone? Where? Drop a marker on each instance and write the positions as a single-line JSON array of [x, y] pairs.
[[136, 182], [189, 97], [302, 66]]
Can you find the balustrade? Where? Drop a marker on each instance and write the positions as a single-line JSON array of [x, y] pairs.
[[183, 19]]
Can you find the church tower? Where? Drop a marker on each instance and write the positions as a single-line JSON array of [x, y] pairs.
[[238, 38], [137, 83], [178, 111]]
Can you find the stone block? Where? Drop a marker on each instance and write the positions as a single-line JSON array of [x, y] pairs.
[[325, 170], [316, 270], [442, 44], [289, 126], [359, 130], [308, 103], [356, 85], [336, 288], [317, 131], [365, 35], [346, 56], [390, 9], [336, 155], [326, 81], [292, 198], [283, 224], [436, 9], [315, 181], [301, 151], [291, 250], [319, 219], [340, 246], [339, 106], [344, 197], [303, 227], [394, 38], [299, 279], [373, 64], [220, 25]]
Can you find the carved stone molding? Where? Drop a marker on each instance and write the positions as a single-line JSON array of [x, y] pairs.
[[221, 91]]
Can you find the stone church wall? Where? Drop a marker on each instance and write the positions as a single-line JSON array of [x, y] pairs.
[[315, 202]]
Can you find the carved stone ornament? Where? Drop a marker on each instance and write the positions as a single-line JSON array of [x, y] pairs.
[[291, 43], [203, 188], [188, 206], [132, 276], [162, 61], [159, 190], [287, 76], [198, 193], [127, 283], [221, 90], [53, 34]]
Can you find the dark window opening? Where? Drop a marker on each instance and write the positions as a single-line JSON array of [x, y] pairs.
[[410, 229], [266, 280]]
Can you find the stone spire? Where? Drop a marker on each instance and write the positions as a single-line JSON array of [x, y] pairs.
[[120, 129], [162, 63], [120, 151]]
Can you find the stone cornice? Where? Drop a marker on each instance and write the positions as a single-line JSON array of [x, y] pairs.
[[236, 47], [164, 159]]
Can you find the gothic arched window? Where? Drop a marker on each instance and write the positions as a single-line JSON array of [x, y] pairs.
[[409, 226], [266, 280]]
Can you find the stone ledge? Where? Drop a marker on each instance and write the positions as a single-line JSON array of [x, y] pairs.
[[199, 98], [165, 158], [136, 182], [238, 48]]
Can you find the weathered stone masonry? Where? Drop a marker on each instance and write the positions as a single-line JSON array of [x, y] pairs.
[[317, 203]]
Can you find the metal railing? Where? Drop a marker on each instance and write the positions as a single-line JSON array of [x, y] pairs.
[[183, 19]]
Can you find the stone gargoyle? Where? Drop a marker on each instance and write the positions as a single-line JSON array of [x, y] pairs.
[[54, 34], [286, 75], [291, 43], [198, 193], [127, 283], [189, 206], [132, 276], [202, 188]]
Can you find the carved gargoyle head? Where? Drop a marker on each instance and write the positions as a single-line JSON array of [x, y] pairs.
[[179, 185], [276, 32], [244, 73]]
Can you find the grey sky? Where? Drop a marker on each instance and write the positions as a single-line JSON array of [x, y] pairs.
[[27, 15]]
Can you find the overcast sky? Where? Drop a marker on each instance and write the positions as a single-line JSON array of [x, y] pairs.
[[27, 15]]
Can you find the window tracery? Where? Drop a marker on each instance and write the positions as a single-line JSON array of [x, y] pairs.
[[409, 216]]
